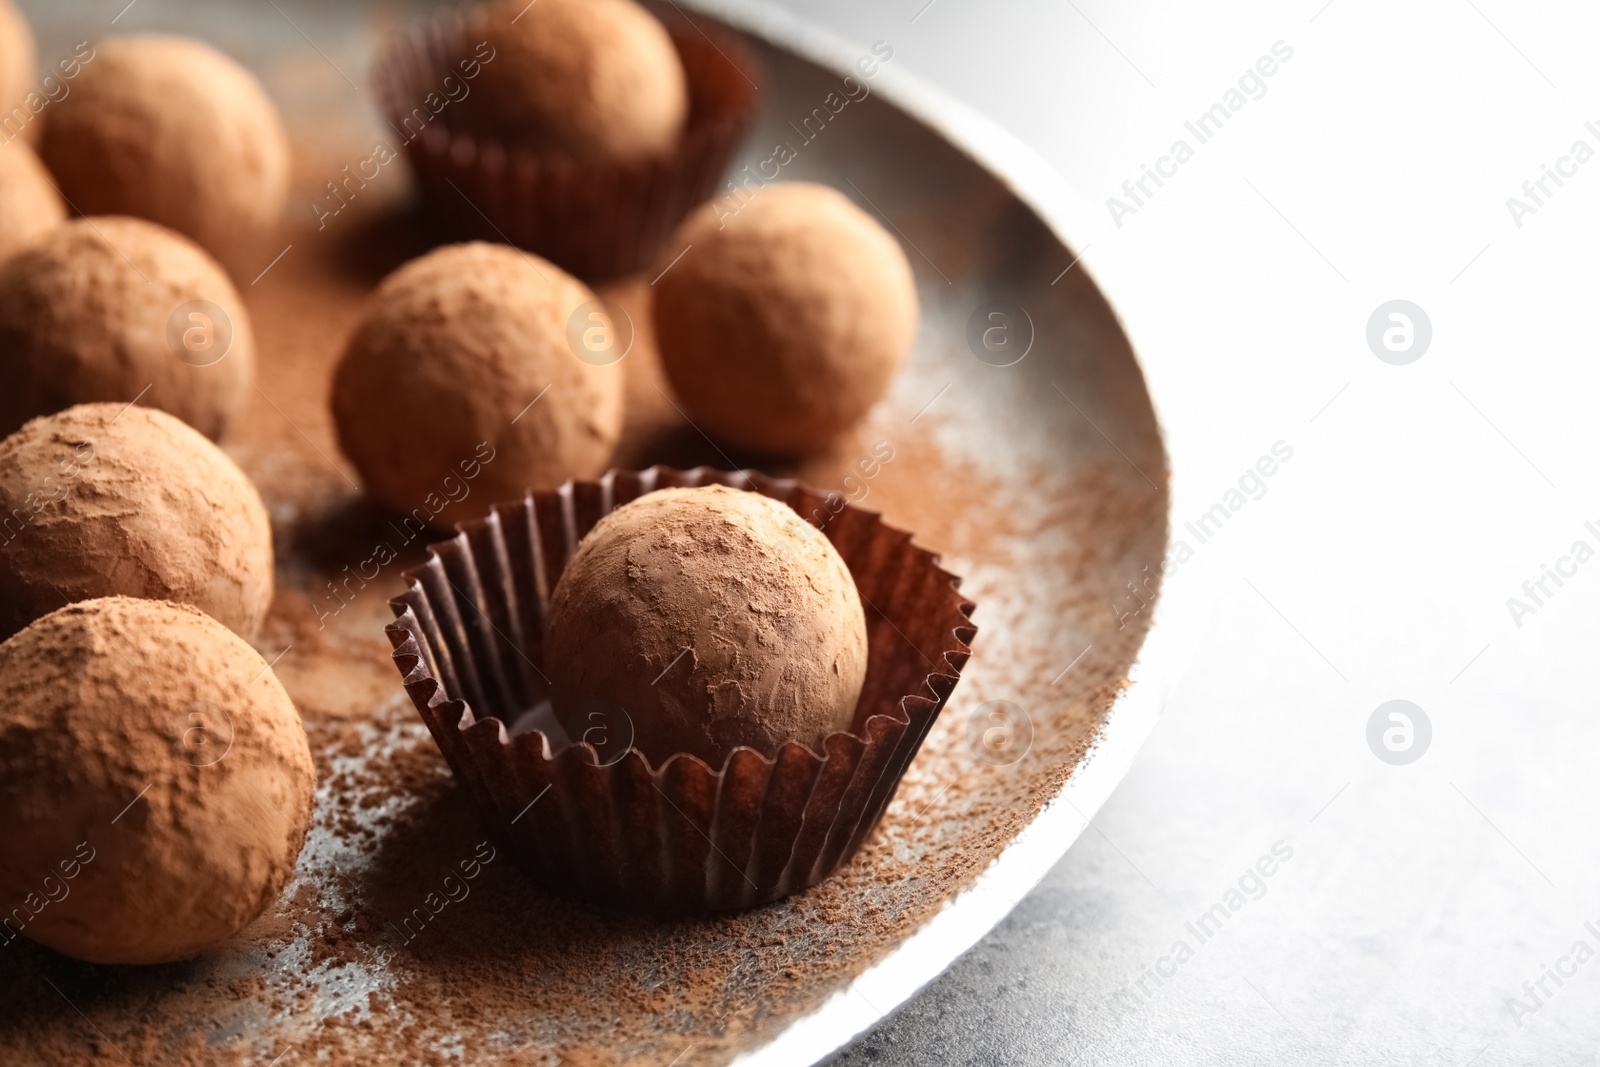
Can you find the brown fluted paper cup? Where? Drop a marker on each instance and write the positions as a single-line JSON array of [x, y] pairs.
[[683, 837], [596, 219]]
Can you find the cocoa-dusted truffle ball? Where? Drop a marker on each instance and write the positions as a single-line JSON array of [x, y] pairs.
[[590, 79], [29, 203], [787, 320], [170, 129], [105, 499], [18, 62], [713, 618], [155, 779], [460, 383], [99, 309]]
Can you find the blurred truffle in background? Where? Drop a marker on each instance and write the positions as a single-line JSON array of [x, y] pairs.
[[171, 130], [589, 79], [18, 66], [29, 203]]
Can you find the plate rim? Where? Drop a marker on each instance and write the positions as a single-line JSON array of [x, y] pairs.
[[929, 950]]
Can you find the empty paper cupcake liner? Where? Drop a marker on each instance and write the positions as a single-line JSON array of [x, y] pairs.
[[595, 219], [683, 837]]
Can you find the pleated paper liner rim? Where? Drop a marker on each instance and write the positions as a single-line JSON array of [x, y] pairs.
[[683, 837], [597, 219]]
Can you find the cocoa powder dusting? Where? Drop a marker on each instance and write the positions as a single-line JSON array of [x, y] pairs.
[[107, 499], [712, 618], [789, 321], [154, 778], [404, 936], [585, 79]]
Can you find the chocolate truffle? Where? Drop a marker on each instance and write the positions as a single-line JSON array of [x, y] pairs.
[[589, 79], [460, 382], [18, 63], [714, 618], [170, 129], [786, 320], [103, 499], [102, 308], [155, 779], [29, 203]]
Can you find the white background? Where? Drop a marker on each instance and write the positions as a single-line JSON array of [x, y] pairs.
[[1377, 565]]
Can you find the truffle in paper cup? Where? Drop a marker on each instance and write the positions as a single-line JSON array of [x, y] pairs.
[[598, 821], [597, 219]]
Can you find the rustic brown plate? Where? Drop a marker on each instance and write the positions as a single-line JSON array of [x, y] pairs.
[[1030, 459]]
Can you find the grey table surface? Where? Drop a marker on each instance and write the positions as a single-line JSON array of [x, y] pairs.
[[1427, 541]]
